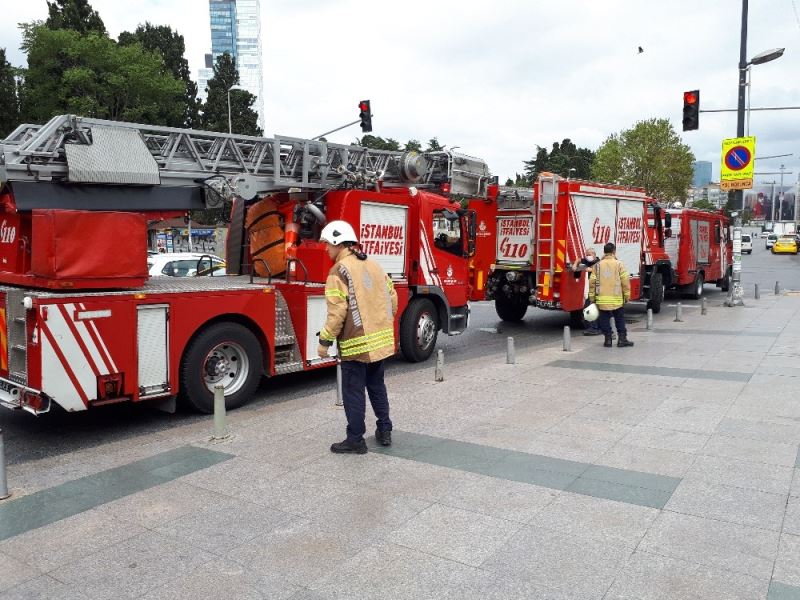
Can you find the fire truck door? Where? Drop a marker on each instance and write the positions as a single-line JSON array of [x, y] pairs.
[[630, 229], [316, 312], [447, 264], [701, 240], [153, 349]]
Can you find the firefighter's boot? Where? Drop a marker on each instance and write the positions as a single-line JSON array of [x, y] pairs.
[[609, 342], [623, 341]]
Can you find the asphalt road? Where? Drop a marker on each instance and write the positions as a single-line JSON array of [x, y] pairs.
[[29, 438]]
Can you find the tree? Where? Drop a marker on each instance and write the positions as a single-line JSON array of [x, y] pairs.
[[215, 110], [77, 15], [378, 143], [9, 107], [170, 44], [91, 75], [413, 146], [560, 160], [649, 155], [703, 204], [434, 145]]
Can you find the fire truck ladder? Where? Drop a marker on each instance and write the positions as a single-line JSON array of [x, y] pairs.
[[545, 238], [84, 150]]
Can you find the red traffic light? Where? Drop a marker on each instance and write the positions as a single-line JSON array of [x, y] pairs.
[[690, 97], [363, 106]]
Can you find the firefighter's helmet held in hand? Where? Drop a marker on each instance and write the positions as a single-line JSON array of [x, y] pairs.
[[590, 313], [337, 232]]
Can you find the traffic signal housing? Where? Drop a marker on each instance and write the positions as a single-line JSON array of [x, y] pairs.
[[365, 115], [691, 110]]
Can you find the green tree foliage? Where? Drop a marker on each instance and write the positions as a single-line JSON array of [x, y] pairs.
[[77, 15], [162, 39], [215, 111], [434, 145], [413, 146], [9, 106], [703, 204], [91, 75], [560, 160], [649, 155], [377, 143]]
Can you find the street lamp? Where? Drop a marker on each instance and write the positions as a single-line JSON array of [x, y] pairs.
[[758, 59], [233, 87]]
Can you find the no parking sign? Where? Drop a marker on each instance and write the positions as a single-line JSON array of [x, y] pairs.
[[737, 162]]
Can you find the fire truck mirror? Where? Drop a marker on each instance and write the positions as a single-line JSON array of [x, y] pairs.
[[668, 233], [667, 220], [471, 226]]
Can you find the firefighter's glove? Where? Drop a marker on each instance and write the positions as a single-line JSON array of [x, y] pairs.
[[625, 299], [322, 351]]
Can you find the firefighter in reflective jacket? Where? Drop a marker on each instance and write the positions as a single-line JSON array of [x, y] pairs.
[[610, 289], [361, 303]]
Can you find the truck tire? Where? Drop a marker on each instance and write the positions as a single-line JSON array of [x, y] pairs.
[[419, 328], [226, 353], [510, 309], [697, 287], [656, 293]]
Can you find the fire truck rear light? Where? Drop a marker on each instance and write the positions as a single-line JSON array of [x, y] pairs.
[[445, 188], [33, 402], [109, 386]]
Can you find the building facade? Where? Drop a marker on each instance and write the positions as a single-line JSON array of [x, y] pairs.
[[702, 173]]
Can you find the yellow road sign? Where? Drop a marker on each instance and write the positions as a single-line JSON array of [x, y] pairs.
[[737, 159], [736, 184]]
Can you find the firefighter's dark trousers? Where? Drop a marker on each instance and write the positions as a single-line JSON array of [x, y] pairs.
[[357, 377], [619, 322]]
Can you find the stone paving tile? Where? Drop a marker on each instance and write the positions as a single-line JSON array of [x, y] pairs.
[[650, 460], [138, 565], [14, 571], [43, 587], [455, 534], [740, 473], [223, 579], [498, 498], [791, 520], [729, 546], [795, 491], [577, 566], [605, 520], [603, 431], [70, 539], [727, 503], [620, 492], [787, 565], [759, 430], [665, 439], [781, 591], [417, 480], [752, 450], [617, 413], [235, 474], [689, 416], [652, 577]]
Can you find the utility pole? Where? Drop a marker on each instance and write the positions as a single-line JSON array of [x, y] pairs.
[[780, 195]]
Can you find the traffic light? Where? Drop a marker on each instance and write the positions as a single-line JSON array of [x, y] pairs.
[[691, 110], [365, 115]]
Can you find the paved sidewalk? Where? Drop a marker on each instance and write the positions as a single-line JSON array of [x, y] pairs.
[[667, 470]]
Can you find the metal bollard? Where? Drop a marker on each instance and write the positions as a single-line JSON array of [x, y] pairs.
[[339, 394], [679, 313], [4, 493], [777, 287], [649, 319], [511, 354], [757, 294], [703, 307], [439, 375], [220, 432], [567, 339]]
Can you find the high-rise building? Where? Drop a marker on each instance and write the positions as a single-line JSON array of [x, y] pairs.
[[236, 29], [702, 173]]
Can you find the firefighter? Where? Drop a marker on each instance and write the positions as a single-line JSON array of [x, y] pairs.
[[609, 289], [361, 303], [587, 263]]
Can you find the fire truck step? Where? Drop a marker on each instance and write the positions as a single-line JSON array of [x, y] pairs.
[[18, 376], [20, 347], [284, 340], [20, 320], [289, 367]]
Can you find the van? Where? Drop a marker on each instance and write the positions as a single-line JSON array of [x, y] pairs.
[[747, 244], [771, 239]]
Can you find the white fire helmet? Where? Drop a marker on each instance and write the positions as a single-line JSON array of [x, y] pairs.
[[337, 232], [590, 313]]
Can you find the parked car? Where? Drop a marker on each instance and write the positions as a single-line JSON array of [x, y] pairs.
[[764, 234], [771, 239], [786, 244], [747, 244], [183, 264]]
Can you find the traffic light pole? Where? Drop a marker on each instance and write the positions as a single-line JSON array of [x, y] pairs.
[[316, 137], [735, 297]]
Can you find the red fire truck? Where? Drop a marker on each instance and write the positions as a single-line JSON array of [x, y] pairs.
[[700, 247], [542, 231], [81, 325]]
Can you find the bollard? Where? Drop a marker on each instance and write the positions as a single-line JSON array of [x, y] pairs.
[[649, 319], [3, 481], [220, 432], [439, 375], [339, 396], [757, 294], [679, 313], [777, 287], [703, 307], [567, 339], [511, 354]]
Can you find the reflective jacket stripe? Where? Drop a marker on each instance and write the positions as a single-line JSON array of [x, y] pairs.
[[363, 339]]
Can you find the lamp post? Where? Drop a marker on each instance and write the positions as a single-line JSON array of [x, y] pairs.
[[233, 87]]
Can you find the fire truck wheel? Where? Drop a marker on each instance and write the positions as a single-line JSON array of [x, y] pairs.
[[697, 287], [226, 353], [510, 309], [419, 328], [656, 293]]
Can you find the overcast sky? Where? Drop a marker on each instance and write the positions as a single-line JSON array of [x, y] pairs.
[[499, 78]]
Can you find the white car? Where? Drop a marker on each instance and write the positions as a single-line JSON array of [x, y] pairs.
[[747, 244], [771, 239], [183, 264]]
